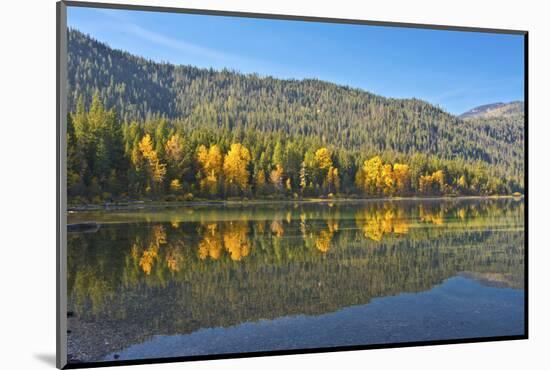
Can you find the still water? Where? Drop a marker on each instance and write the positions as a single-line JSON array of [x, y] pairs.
[[223, 279]]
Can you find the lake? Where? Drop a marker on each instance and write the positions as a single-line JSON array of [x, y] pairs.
[[216, 279]]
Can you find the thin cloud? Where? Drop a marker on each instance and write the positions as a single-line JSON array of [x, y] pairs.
[[177, 44]]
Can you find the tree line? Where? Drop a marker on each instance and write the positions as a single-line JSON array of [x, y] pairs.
[[167, 160]]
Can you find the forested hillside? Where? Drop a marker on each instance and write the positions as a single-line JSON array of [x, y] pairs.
[[153, 123]]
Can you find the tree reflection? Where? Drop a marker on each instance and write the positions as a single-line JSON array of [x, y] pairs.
[[434, 216], [235, 238], [303, 260], [149, 255], [231, 237], [376, 222]]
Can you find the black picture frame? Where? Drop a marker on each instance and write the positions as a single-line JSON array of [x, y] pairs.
[[61, 252]]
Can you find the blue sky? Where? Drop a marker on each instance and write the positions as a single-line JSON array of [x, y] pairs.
[[455, 70]]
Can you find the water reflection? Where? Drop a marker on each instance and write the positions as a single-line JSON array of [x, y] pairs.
[[176, 271]]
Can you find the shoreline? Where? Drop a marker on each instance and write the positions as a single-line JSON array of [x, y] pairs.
[[152, 204]]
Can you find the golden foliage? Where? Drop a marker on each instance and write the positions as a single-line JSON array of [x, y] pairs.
[[235, 166], [276, 177], [432, 184], [210, 162], [157, 169], [260, 179], [375, 177], [323, 158], [333, 179], [175, 185], [174, 149], [462, 183], [402, 176]]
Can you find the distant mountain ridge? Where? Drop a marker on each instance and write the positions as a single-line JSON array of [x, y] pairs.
[[495, 110]]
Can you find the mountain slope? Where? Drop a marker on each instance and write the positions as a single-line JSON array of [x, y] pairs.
[[513, 109], [337, 115]]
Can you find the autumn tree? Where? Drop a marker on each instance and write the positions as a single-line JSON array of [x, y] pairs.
[[235, 170], [333, 180], [323, 159], [432, 184], [369, 177], [156, 170], [177, 157], [303, 177], [276, 177], [210, 162], [402, 177]]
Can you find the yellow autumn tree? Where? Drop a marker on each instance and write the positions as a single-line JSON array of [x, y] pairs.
[[432, 184], [235, 165], [369, 178], [156, 169], [439, 178], [175, 186], [333, 179], [462, 183], [210, 162], [387, 180], [402, 176], [323, 159], [174, 149], [276, 177]]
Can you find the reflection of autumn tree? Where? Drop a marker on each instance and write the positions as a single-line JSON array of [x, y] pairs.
[[303, 224], [158, 237], [174, 257], [461, 213], [376, 222], [324, 238], [276, 228], [434, 216], [211, 244], [235, 238]]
